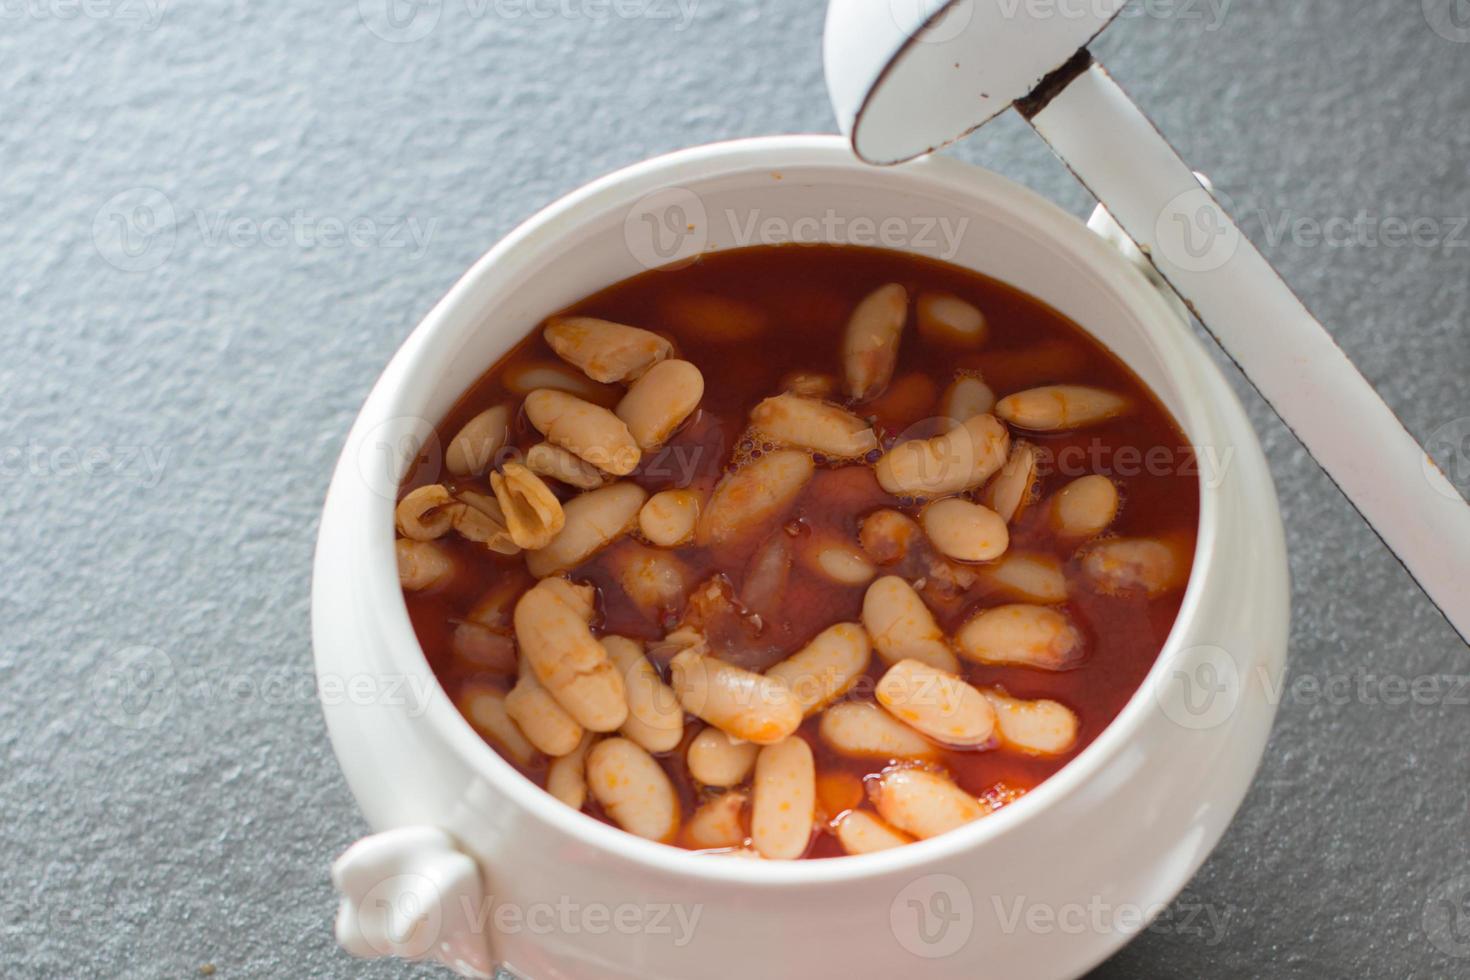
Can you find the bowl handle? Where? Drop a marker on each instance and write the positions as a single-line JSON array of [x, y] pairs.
[[412, 893]]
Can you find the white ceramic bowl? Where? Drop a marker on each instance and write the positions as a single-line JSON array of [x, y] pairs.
[[1047, 887]]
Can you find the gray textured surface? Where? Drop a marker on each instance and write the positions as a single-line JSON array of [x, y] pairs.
[[168, 432]]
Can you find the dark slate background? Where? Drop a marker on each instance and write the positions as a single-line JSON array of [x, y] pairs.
[[172, 399]]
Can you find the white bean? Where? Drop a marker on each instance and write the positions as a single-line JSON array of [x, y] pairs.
[[566, 777], [1151, 566], [937, 704], [587, 430], [808, 423], [966, 398], [593, 521], [545, 459], [422, 564], [633, 789], [860, 832], [870, 344], [836, 559], [1022, 636], [1026, 577], [965, 531], [715, 759], [484, 708], [784, 806], [425, 513], [827, 667], [961, 459], [862, 730], [533, 515], [1084, 508], [809, 384], [566, 657], [655, 580], [480, 519], [668, 518], [522, 379], [603, 350], [543, 721], [581, 599], [767, 574], [472, 450], [924, 803], [887, 536], [756, 495], [495, 608], [718, 823], [483, 648], [1042, 728], [1057, 408], [1017, 483], [947, 320], [740, 703], [903, 628], [655, 717], [660, 401]]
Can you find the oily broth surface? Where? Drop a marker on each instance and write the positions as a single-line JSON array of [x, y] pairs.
[[807, 293]]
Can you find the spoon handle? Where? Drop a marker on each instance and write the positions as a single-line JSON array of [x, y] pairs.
[[1116, 151]]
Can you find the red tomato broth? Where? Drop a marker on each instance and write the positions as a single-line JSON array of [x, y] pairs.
[[807, 293]]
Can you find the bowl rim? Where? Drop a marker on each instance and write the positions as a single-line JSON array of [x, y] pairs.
[[1171, 342]]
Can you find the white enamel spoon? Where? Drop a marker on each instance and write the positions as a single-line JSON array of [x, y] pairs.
[[909, 76]]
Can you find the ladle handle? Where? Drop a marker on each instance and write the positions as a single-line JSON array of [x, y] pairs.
[[1113, 148]]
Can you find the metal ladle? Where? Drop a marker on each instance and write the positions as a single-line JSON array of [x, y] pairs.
[[909, 76]]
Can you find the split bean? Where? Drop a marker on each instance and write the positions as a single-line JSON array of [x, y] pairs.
[[593, 521], [533, 515], [426, 513]]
